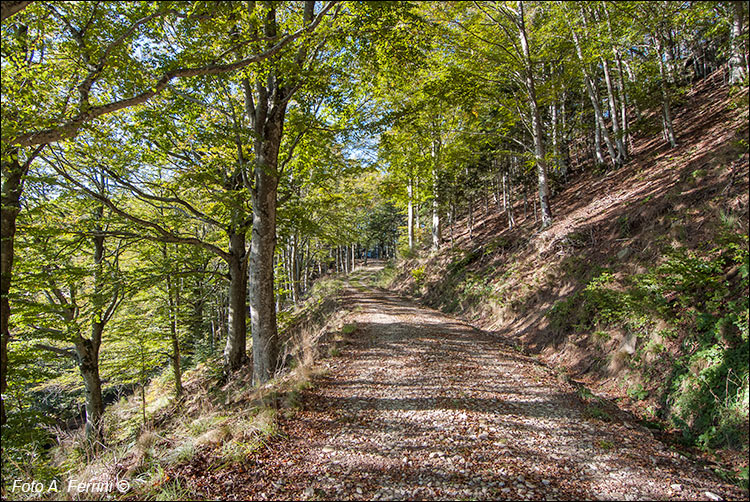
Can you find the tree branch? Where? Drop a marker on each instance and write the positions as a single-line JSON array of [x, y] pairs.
[[70, 128], [164, 235], [56, 350], [172, 200]]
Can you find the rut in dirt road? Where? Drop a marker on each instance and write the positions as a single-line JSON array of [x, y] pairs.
[[422, 406]]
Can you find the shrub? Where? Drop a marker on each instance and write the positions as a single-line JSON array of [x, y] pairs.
[[418, 274], [704, 297]]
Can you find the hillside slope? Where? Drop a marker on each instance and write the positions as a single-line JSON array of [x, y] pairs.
[[639, 287]]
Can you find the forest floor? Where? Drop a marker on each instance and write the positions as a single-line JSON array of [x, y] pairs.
[[421, 406]]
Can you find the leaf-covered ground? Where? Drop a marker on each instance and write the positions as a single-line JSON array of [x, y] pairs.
[[421, 406]]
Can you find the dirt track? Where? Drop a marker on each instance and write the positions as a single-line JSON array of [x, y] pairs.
[[422, 406]]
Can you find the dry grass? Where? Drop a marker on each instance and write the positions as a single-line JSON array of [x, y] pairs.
[[222, 419]]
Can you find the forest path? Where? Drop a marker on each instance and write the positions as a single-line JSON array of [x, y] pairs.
[[422, 406]]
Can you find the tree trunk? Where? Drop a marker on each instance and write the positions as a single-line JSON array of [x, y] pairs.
[[620, 84], [88, 350], [594, 98], [410, 215], [470, 219], [670, 58], [598, 142], [212, 334], [88, 363], [738, 59], [452, 218], [565, 144], [416, 208], [536, 123], [613, 111], [669, 128], [14, 174], [235, 351], [436, 229], [173, 304], [294, 269], [266, 344], [307, 267], [507, 191], [554, 120], [266, 112], [624, 101]]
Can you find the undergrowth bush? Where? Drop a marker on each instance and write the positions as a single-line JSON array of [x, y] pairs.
[[702, 298], [418, 274], [24, 449]]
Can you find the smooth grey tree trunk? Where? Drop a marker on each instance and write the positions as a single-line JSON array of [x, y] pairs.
[[666, 106], [620, 84], [594, 97], [437, 234], [613, 112], [235, 351], [410, 214], [555, 123], [266, 111], [536, 123], [262, 246], [508, 189], [738, 69], [598, 142], [416, 205]]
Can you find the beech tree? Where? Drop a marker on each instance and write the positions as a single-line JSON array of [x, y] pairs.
[[77, 283], [500, 33]]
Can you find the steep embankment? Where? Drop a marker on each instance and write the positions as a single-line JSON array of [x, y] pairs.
[[639, 288]]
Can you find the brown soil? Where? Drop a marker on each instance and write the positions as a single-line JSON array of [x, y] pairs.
[[422, 406]]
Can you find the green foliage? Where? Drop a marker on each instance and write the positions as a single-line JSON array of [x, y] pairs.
[[599, 305], [742, 476], [602, 336], [418, 274], [24, 447], [463, 259], [703, 296], [637, 392], [595, 411], [605, 444], [172, 490]]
